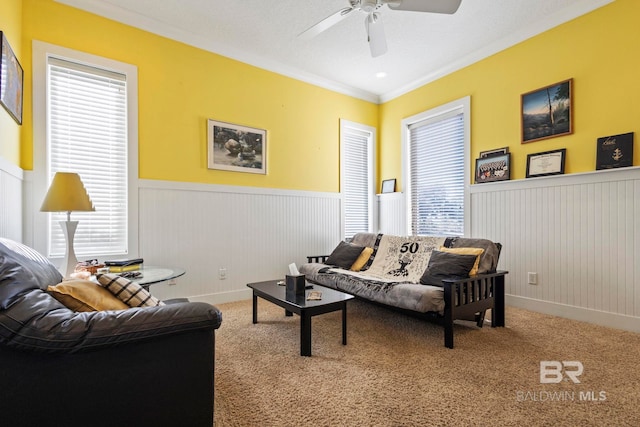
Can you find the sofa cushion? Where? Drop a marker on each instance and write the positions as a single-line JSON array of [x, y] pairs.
[[344, 255], [23, 269], [488, 260], [402, 258], [127, 291], [477, 252], [85, 295], [365, 239], [362, 260], [447, 265]]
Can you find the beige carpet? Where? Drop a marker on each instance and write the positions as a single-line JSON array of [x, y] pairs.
[[395, 371]]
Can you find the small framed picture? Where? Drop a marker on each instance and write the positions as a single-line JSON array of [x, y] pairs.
[[236, 148], [489, 153], [11, 80], [493, 168], [547, 112], [615, 151], [389, 185], [546, 163]]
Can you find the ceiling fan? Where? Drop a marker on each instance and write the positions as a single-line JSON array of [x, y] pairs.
[[373, 20]]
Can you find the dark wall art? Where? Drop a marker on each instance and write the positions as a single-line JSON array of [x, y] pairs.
[[614, 151], [547, 112]]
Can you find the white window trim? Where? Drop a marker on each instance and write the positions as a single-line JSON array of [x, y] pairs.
[[373, 211], [465, 104], [41, 52]]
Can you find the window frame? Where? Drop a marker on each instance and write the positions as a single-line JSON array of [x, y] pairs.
[[463, 104], [38, 235], [345, 126]]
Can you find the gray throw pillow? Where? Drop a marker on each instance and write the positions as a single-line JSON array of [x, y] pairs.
[[344, 255], [445, 265]]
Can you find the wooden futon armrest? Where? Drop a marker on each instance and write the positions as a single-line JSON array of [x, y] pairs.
[[320, 259]]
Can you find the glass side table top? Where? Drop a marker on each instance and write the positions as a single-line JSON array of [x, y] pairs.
[[152, 274]]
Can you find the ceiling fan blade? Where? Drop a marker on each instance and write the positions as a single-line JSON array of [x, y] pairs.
[[326, 23], [375, 34], [432, 6]]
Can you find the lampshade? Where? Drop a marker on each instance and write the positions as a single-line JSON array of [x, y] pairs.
[[66, 194]]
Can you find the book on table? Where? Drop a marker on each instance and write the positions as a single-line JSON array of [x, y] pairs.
[[119, 266]]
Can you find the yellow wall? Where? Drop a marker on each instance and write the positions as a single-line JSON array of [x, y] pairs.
[[180, 87], [11, 26], [597, 50]]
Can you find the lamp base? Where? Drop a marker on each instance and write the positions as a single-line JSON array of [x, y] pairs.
[[69, 262]]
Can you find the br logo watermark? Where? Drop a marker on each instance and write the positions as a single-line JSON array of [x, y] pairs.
[[551, 371], [555, 372]]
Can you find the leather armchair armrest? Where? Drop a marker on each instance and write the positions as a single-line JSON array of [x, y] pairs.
[[37, 322]]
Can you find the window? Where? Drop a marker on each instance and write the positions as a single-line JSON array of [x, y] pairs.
[[436, 146], [89, 126], [357, 178]]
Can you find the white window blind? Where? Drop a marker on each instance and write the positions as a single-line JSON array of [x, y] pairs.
[[357, 179], [437, 175], [87, 134]]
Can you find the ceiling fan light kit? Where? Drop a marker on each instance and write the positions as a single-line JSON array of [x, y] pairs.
[[373, 21]]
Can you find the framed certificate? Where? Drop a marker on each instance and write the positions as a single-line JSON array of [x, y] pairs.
[[546, 163]]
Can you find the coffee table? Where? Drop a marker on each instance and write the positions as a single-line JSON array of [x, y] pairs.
[[332, 300]]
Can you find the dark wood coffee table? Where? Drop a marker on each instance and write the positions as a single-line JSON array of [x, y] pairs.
[[332, 300]]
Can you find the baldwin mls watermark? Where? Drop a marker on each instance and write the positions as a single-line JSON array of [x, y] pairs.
[[556, 372]]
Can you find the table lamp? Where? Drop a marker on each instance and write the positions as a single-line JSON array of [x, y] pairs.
[[66, 194]]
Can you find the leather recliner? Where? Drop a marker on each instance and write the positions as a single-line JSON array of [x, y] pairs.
[[136, 367]]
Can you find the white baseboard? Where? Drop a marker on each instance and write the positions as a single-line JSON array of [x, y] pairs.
[[612, 320], [602, 318], [221, 298]]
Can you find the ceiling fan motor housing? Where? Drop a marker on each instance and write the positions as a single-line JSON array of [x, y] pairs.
[[368, 6]]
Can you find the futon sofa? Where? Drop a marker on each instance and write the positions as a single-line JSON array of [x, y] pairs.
[[147, 366], [436, 278]]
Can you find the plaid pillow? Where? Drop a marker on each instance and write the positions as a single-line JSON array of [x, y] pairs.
[[127, 291]]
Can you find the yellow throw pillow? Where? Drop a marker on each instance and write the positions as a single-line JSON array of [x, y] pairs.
[[84, 295], [362, 259], [466, 251]]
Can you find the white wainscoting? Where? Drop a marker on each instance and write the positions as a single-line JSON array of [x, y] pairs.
[[392, 213], [11, 178], [253, 233], [580, 233]]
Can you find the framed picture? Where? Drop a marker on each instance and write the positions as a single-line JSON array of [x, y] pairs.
[[236, 148], [546, 163], [614, 151], [11, 80], [489, 153], [493, 168], [389, 185], [547, 112]]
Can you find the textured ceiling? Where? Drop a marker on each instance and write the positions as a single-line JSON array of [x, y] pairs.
[[422, 46]]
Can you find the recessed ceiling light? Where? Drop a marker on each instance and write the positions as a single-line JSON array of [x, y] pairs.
[[381, 75]]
